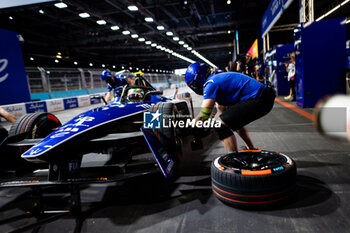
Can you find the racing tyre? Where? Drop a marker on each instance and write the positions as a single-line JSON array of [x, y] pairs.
[[253, 178], [34, 125], [3, 133]]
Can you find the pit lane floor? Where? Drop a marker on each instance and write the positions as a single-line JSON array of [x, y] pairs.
[[150, 204]]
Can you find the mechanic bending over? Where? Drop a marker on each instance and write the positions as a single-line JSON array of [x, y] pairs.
[[240, 100], [115, 84]]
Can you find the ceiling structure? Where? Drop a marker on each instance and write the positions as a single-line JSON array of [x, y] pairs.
[[204, 25]]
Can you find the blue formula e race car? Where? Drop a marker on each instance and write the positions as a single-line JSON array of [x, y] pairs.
[[118, 129]]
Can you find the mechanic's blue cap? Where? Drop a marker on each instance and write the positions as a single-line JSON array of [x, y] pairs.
[[121, 76], [106, 75], [196, 75]]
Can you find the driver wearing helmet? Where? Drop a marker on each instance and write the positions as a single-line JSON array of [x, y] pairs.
[[135, 95], [240, 100], [114, 83]]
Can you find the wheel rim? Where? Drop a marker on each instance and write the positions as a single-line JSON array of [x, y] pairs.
[[253, 160]]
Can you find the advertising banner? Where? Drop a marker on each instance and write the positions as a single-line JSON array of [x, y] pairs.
[[13, 81], [83, 100], [54, 105], [16, 109], [70, 103], [254, 49], [272, 14], [36, 107]]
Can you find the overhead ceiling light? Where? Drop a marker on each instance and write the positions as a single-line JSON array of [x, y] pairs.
[[84, 15], [149, 19], [57, 61], [148, 42], [228, 2], [134, 36], [332, 10], [154, 45], [160, 28], [189, 48], [101, 22], [141, 39], [115, 28], [61, 5], [185, 45], [113, 67], [229, 32], [90, 64], [103, 65], [158, 46], [41, 11], [126, 32], [133, 8], [176, 38], [181, 42], [75, 63], [10, 17], [169, 33], [31, 58], [58, 56]]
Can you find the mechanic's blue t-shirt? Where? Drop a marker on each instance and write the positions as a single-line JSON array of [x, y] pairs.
[[230, 88], [118, 82]]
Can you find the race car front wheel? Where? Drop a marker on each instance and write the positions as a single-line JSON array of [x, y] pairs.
[[253, 178], [35, 125], [3, 133]]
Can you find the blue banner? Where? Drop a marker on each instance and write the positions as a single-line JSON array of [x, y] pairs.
[[70, 103], [272, 14], [13, 81], [36, 107]]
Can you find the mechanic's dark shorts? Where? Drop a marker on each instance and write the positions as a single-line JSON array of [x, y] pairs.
[[244, 112]]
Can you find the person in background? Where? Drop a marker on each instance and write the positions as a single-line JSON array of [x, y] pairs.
[[114, 84], [249, 66], [8, 116], [239, 100], [259, 69], [290, 68]]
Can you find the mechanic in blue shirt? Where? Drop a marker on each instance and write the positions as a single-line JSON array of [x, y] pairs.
[[240, 100], [115, 84]]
